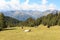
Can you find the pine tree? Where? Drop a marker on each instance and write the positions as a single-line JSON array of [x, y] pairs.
[[2, 21]]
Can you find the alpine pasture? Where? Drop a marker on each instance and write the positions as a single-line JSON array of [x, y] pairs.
[[39, 33]]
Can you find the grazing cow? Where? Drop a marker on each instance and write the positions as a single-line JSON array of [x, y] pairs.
[[48, 26], [27, 30]]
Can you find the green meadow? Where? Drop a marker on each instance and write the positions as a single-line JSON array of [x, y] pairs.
[[39, 33]]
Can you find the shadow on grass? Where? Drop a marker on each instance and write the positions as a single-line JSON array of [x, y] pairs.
[[9, 29]]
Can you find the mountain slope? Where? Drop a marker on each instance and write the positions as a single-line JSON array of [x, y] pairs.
[[24, 14], [11, 21]]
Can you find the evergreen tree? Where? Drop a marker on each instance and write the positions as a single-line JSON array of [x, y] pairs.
[[2, 21]]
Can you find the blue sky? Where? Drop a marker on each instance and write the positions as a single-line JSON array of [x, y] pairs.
[[29, 4]]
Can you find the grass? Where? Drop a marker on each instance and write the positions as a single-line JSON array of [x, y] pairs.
[[39, 33]]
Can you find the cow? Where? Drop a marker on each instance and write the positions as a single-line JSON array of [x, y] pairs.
[[28, 30]]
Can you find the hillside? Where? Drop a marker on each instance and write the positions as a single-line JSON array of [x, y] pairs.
[[48, 17], [51, 19], [11, 21], [25, 14]]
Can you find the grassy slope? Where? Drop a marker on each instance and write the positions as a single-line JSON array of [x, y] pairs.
[[40, 33]]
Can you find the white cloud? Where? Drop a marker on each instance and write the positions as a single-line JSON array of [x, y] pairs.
[[2, 4], [44, 2], [26, 2], [16, 5], [52, 6], [13, 4]]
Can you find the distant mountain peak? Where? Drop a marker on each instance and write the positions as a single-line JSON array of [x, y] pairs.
[[24, 14]]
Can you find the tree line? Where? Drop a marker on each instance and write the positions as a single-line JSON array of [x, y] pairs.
[[49, 20], [6, 21]]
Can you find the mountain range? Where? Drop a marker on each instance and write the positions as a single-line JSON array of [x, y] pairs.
[[24, 14]]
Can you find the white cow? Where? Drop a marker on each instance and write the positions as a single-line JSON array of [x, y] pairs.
[[28, 30]]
